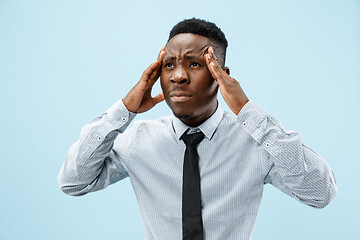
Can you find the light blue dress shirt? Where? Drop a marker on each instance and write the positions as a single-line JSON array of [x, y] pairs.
[[237, 157]]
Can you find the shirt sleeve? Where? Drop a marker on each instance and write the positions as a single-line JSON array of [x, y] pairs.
[[289, 164], [91, 163]]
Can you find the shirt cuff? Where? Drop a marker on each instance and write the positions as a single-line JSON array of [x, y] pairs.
[[119, 116], [251, 115]]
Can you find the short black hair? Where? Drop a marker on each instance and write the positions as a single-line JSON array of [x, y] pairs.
[[206, 29]]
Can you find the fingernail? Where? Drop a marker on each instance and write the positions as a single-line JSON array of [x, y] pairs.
[[211, 50]]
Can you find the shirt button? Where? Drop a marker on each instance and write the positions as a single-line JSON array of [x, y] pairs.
[[123, 119], [267, 145], [244, 123]]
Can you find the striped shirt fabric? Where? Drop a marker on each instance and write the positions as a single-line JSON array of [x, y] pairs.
[[238, 155]]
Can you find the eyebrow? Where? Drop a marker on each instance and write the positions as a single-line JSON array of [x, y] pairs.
[[188, 57]]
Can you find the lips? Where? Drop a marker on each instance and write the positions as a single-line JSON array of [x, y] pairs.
[[177, 96]]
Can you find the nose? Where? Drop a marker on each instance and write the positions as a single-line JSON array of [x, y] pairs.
[[179, 76]]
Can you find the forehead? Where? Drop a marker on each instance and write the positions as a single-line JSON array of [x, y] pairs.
[[185, 43]]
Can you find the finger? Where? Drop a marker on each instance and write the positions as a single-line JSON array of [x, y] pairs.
[[153, 70], [214, 69], [147, 73], [156, 73], [214, 62], [213, 59], [158, 98], [155, 65], [161, 54], [154, 77], [212, 54]]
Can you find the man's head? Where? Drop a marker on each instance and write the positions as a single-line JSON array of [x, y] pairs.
[[205, 29], [189, 88]]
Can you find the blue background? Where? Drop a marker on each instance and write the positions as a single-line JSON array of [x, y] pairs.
[[63, 63]]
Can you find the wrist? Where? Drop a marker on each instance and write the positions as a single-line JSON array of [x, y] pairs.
[[128, 105]]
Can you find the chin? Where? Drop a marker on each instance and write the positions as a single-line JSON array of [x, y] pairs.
[[181, 114], [184, 115]]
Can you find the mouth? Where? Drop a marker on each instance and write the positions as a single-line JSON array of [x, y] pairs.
[[180, 96]]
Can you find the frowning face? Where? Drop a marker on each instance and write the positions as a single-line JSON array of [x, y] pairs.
[[188, 87]]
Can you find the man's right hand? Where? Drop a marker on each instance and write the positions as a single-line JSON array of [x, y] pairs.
[[139, 99]]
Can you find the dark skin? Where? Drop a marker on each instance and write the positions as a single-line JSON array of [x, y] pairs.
[[188, 87], [190, 78]]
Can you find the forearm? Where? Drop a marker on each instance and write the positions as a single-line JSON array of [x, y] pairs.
[[288, 163], [91, 164]]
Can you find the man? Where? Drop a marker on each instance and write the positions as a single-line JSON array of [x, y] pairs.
[[210, 189]]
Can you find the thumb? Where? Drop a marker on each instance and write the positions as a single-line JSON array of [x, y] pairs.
[[158, 98]]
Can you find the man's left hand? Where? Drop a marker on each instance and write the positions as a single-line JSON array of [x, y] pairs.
[[230, 89]]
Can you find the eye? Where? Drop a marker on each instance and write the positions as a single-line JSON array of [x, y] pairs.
[[194, 64], [168, 65]]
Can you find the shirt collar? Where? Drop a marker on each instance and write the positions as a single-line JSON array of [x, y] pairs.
[[208, 127]]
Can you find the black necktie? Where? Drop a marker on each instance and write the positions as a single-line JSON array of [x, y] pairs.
[[191, 199]]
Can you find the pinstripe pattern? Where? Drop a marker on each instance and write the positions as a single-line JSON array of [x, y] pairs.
[[237, 157]]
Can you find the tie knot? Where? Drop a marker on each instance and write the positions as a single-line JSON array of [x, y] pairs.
[[192, 139]]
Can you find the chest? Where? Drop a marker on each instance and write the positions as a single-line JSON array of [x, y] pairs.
[[225, 163]]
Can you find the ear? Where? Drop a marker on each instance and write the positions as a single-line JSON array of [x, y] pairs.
[[226, 69]]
